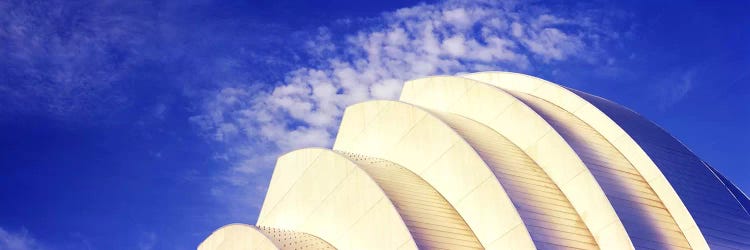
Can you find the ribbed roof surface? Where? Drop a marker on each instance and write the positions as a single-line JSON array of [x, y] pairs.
[[495, 160]]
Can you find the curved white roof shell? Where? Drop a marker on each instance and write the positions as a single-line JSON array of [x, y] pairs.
[[495, 160]]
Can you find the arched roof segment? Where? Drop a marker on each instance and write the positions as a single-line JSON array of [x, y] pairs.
[[673, 172], [246, 237], [530, 133], [648, 222], [551, 220], [432, 221], [237, 237], [322, 193], [415, 139]]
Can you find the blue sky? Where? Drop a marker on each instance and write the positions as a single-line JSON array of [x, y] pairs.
[[148, 124]]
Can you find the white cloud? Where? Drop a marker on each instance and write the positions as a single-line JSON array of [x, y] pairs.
[[17, 240], [552, 44], [517, 30], [321, 44], [455, 46], [458, 18], [304, 109]]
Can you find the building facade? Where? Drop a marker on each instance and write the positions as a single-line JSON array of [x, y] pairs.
[[495, 160]]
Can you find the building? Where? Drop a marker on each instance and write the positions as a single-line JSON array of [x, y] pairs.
[[495, 160]]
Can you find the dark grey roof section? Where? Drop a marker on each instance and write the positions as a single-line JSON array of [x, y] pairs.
[[740, 196], [722, 220]]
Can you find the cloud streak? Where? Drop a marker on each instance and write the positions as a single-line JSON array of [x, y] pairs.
[[303, 109], [78, 60], [673, 88], [18, 240], [66, 56]]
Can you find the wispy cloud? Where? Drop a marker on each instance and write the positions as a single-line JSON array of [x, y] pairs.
[[673, 88], [21, 240], [304, 108], [86, 59], [62, 57]]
